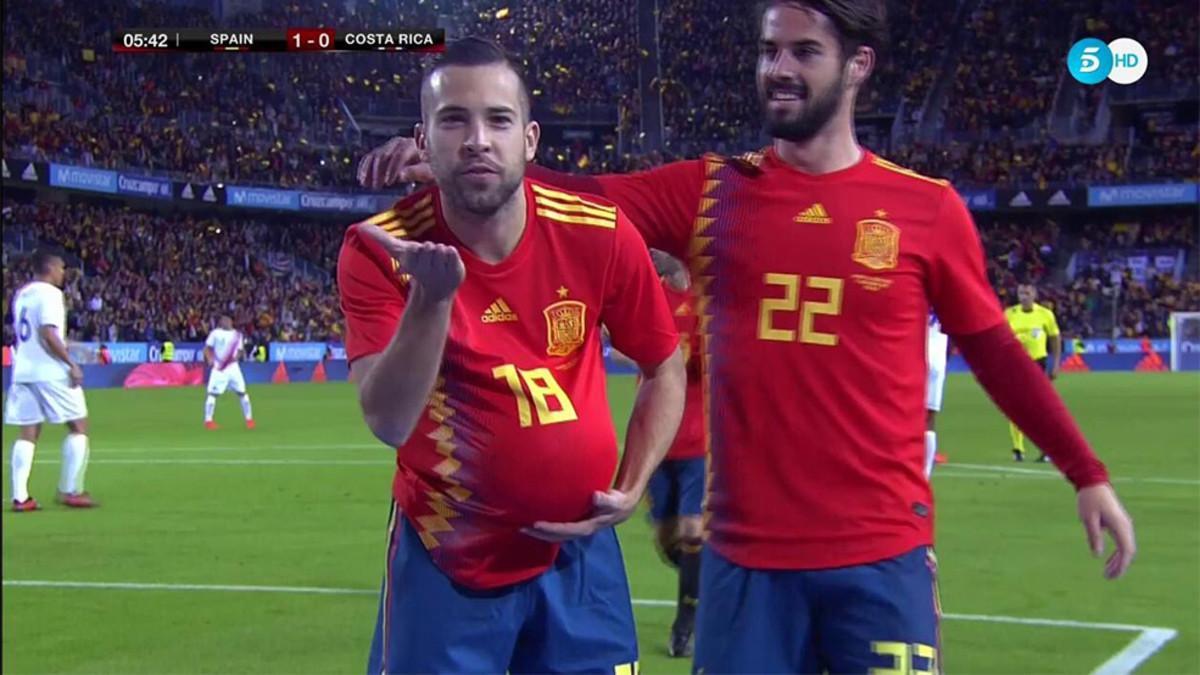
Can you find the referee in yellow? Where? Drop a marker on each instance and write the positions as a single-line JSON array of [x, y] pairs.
[[1034, 325]]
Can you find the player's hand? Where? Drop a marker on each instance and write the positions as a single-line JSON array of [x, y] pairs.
[[436, 269], [608, 509], [1054, 372], [76, 375], [1100, 510], [397, 161]]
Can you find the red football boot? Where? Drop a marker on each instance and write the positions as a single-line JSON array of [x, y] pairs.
[[78, 500]]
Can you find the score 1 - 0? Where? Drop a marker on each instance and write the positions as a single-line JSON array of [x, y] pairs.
[[309, 39]]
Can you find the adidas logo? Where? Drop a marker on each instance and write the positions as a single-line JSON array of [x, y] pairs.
[[815, 214], [499, 312]]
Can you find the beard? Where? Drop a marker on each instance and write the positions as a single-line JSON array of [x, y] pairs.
[[821, 107], [480, 201]]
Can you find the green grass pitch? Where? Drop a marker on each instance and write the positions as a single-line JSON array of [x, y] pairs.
[[301, 502]]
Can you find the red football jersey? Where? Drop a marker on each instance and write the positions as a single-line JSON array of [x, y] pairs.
[[690, 440], [813, 293], [518, 428]]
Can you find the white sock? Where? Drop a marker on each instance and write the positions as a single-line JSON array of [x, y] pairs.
[[210, 406], [22, 465], [246, 407], [930, 451], [75, 456]]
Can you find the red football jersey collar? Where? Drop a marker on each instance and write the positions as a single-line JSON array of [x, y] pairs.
[[775, 162], [476, 265]]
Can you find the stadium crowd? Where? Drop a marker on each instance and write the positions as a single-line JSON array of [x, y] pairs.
[[1009, 43], [1031, 250], [200, 268], [284, 120], [251, 269]]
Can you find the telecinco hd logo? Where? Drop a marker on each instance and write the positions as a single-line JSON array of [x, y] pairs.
[[1123, 61]]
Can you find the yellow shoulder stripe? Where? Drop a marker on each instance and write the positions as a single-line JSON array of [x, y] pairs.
[[384, 217], [568, 197], [574, 208], [418, 205], [401, 222], [414, 230], [423, 204], [607, 223], [884, 164]]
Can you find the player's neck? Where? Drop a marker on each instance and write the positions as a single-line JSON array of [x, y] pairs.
[[493, 237], [832, 149]]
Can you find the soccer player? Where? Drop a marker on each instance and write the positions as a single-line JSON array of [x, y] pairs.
[[1034, 326], [676, 490], [936, 344], [816, 264], [222, 350], [474, 313], [47, 386]]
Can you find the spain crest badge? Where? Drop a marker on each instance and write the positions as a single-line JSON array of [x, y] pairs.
[[878, 244], [564, 327]]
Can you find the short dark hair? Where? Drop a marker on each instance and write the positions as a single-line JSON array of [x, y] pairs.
[[477, 51], [43, 258], [859, 22]]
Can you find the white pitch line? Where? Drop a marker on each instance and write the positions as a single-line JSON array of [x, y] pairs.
[[951, 470], [241, 448], [943, 472], [131, 586], [1046, 474], [384, 462], [971, 470], [1137, 652], [324, 590], [1149, 641]]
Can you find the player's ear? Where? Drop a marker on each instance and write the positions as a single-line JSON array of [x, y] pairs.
[[422, 141], [533, 132], [860, 65]]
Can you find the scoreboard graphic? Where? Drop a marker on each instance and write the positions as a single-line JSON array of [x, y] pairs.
[[199, 40]]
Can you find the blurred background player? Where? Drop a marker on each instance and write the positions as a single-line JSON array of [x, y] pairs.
[[676, 490], [222, 350], [936, 344], [47, 386], [1035, 326]]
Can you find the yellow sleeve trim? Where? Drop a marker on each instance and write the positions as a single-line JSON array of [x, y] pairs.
[[424, 205], [884, 164], [574, 208], [577, 220], [568, 197]]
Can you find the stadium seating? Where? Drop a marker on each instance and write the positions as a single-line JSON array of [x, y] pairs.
[[281, 120], [202, 268], [287, 126]]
